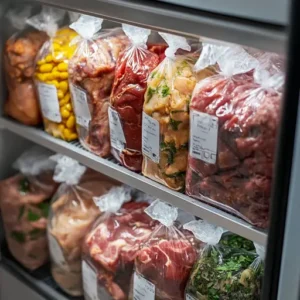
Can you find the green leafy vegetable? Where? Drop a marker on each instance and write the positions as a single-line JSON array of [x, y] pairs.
[[170, 148], [18, 236], [44, 207], [24, 186], [21, 212], [150, 93], [174, 175], [174, 124], [165, 91], [32, 217], [153, 74]]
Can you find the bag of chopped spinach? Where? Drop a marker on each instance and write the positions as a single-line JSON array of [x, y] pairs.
[[230, 267], [24, 203]]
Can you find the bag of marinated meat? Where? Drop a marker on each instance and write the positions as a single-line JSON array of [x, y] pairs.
[[72, 212], [165, 128], [234, 122], [133, 68], [229, 267], [92, 71], [19, 59], [164, 262], [112, 245], [51, 74], [24, 203]]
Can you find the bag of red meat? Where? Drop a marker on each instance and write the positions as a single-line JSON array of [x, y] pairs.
[[24, 203], [133, 67], [234, 122], [111, 246], [164, 262]]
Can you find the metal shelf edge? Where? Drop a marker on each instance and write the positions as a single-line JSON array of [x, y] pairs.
[[111, 169]]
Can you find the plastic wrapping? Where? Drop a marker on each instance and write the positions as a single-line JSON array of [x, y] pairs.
[[24, 202], [72, 212], [51, 75], [92, 71], [234, 122], [165, 133], [164, 262], [112, 245], [19, 58], [134, 66], [230, 267]]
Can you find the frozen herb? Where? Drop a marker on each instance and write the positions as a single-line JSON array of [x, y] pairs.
[[150, 93], [44, 207], [32, 216], [18, 236], [174, 124], [170, 149], [165, 91], [24, 186]]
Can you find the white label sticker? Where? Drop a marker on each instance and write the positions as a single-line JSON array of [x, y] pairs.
[[150, 138], [81, 107], [55, 250], [189, 297], [204, 137], [49, 102], [117, 137], [142, 288], [90, 283]]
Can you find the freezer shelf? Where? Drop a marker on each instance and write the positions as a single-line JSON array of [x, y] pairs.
[[111, 168], [181, 20]]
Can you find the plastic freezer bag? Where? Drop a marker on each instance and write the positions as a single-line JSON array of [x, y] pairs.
[[236, 116], [92, 71], [165, 133], [24, 202]]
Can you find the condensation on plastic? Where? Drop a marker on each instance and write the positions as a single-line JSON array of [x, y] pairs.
[[72, 212], [245, 95], [169, 90], [18, 17]]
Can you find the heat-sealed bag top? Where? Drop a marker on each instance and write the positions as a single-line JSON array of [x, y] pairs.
[[133, 68], [24, 202], [229, 267], [51, 74], [164, 262], [72, 212], [19, 60], [112, 245], [165, 124], [92, 71], [234, 123]]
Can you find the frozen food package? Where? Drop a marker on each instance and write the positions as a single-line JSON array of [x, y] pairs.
[[133, 68], [234, 122], [113, 243], [51, 74], [19, 60], [92, 71], [72, 212], [165, 123], [229, 267], [24, 203], [165, 260]]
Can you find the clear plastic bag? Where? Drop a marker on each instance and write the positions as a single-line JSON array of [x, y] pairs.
[[164, 262], [51, 74], [229, 267], [112, 245], [19, 60], [72, 212], [24, 202], [133, 68], [165, 127], [92, 71], [235, 115]]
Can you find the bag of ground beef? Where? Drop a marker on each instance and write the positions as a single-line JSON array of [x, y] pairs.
[[24, 202], [234, 117]]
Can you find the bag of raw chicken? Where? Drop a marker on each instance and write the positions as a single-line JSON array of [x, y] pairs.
[[112, 245], [229, 266], [72, 212], [165, 128], [24, 202], [234, 122], [164, 262], [19, 60], [133, 68], [92, 71]]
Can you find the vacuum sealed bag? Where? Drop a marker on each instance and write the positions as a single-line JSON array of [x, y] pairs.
[[234, 124], [165, 126], [19, 62], [24, 202], [92, 71], [229, 267], [164, 262]]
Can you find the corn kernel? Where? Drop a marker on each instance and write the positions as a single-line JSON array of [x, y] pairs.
[[49, 58], [49, 76], [56, 83], [46, 68], [64, 113], [40, 77], [41, 62], [68, 106], [63, 75], [60, 94], [62, 67], [64, 86], [71, 122]]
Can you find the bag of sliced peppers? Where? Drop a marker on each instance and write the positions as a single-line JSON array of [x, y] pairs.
[[165, 126], [229, 267]]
